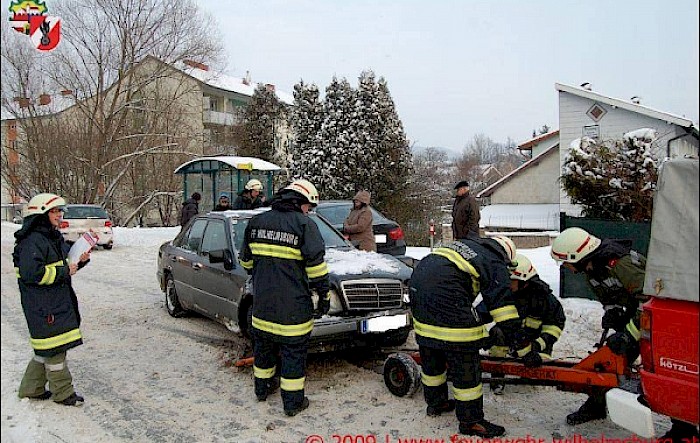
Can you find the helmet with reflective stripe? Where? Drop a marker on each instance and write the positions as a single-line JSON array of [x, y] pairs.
[[42, 203], [573, 244], [254, 185], [306, 189], [508, 246], [524, 271]]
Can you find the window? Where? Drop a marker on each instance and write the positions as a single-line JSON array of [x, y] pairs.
[[214, 237], [193, 238]]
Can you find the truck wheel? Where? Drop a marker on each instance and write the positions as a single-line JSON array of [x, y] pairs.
[[172, 303], [401, 375]]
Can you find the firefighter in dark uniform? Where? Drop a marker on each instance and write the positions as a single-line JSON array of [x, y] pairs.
[[284, 251], [615, 273], [542, 317], [448, 330], [49, 303]]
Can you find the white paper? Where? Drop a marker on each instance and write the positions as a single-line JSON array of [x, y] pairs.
[[84, 244]]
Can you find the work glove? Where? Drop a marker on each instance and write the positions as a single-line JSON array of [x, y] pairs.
[[323, 306], [614, 318], [532, 359], [622, 343]]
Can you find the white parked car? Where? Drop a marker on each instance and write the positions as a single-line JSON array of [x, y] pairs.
[[79, 219]]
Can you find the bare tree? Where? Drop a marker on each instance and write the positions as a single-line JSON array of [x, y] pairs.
[[132, 117]]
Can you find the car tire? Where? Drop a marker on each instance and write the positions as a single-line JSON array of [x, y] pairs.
[[401, 374], [108, 247], [172, 302]]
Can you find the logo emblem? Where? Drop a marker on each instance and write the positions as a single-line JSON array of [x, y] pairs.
[[45, 32], [22, 10]]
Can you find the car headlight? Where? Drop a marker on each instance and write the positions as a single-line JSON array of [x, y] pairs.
[[336, 304]]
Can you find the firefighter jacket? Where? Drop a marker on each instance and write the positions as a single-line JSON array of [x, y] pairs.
[[465, 216], [444, 285], [284, 251], [617, 279], [541, 312], [49, 303]]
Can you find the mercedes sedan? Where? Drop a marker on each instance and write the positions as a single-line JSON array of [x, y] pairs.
[[199, 271]]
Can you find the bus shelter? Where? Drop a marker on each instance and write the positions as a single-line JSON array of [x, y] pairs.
[[210, 176]]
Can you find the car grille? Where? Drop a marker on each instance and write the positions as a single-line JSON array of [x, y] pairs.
[[372, 294]]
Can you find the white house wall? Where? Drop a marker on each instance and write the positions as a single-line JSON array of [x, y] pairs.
[[537, 184], [613, 125]]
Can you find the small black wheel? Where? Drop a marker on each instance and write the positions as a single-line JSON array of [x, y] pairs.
[[172, 303], [401, 374]]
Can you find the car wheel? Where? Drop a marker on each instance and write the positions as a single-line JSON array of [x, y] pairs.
[[109, 246], [401, 374], [172, 303]]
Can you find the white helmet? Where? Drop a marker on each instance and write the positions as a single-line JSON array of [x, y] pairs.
[[508, 246], [573, 244], [254, 185], [524, 271], [41, 203], [305, 188]]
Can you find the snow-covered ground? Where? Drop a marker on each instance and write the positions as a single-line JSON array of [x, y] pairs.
[[148, 377]]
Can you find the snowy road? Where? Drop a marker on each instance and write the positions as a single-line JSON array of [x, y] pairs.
[[148, 377]]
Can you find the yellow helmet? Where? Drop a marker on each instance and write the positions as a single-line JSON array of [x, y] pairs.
[[42, 203], [508, 246], [254, 185], [573, 244], [306, 189], [524, 271]]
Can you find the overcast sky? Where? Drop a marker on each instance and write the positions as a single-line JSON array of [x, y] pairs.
[[460, 68]]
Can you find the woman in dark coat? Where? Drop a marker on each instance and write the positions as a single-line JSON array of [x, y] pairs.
[[49, 303]]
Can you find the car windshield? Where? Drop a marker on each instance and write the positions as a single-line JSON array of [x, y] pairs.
[[84, 212], [337, 213], [330, 236]]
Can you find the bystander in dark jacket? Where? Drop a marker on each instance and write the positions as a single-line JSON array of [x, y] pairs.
[[465, 212], [190, 208]]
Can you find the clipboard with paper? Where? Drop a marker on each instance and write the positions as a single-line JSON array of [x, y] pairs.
[[85, 243]]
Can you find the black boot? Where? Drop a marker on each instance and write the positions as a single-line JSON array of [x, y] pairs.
[[295, 411], [72, 400], [482, 428], [434, 411], [592, 409], [268, 387], [43, 396]]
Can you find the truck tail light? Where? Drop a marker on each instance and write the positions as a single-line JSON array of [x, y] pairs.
[[396, 234], [108, 224], [645, 348], [64, 225]]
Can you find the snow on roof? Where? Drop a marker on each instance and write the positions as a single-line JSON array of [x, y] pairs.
[[521, 216], [528, 144], [228, 83], [533, 161], [627, 105], [236, 162]]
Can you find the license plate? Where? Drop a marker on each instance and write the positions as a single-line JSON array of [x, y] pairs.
[[383, 324], [380, 238]]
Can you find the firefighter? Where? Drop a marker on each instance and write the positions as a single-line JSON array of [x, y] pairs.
[[615, 273], [541, 313], [250, 197], [284, 251], [49, 302], [448, 331]]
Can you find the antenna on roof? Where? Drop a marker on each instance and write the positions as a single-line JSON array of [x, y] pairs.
[[587, 86], [246, 79]]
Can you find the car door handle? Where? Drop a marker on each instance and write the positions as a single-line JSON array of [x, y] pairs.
[[197, 266]]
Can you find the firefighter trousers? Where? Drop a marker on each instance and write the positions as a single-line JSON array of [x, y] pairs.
[[465, 374], [53, 370], [267, 350]]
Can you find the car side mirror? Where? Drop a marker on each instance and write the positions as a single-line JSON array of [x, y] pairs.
[[222, 256]]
